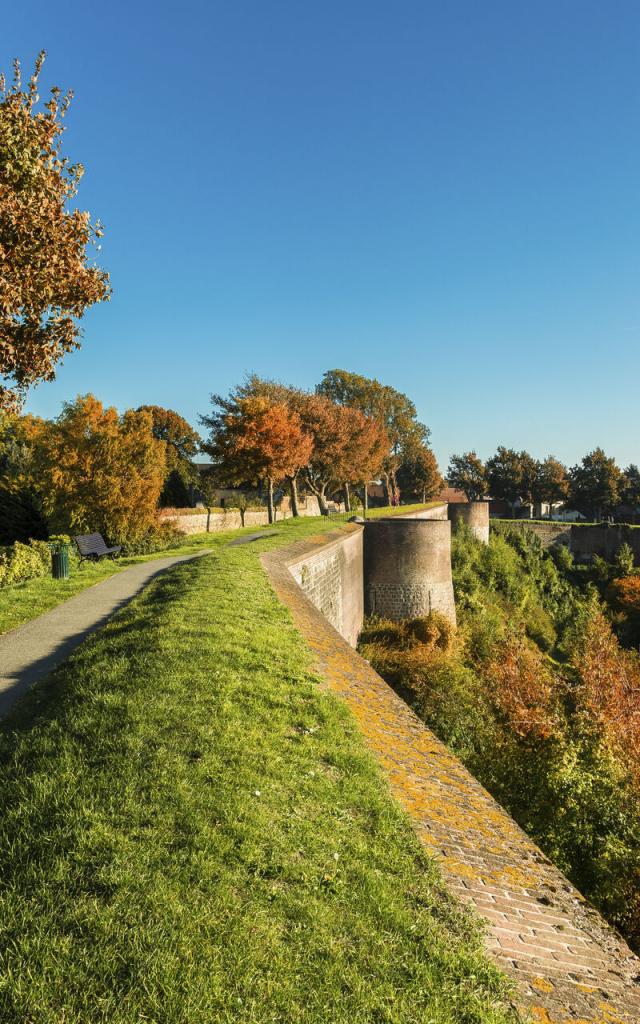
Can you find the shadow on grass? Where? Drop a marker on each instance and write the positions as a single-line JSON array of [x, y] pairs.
[[47, 687]]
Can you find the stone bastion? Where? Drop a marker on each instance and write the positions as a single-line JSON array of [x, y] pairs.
[[475, 514], [407, 568]]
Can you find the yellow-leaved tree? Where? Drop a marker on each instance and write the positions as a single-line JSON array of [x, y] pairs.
[[98, 470]]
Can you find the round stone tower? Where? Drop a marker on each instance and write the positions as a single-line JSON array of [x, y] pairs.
[[475, 514], [407, 568]]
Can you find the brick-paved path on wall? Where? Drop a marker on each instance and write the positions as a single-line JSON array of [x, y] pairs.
[[569, 965]]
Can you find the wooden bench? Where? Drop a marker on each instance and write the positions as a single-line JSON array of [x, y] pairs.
[[92, 547]]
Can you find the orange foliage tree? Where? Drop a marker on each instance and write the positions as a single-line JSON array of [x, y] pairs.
[[625, 595], [46, 281], [182, 444], [362, 455], [521, 687], [98, 470], [330, 429], [608, 689], [255, 439]]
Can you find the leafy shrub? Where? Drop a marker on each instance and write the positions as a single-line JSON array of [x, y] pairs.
[[434, 630], [624, 560], [161, 536], [625, 595], [21, 562], [563, 558], [539, 627], [175, 492], [601, 571]]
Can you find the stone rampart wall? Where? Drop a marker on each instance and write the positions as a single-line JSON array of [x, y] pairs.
[[437, 512], [230, 519], [606, 541], [331, 578], [586, 541]]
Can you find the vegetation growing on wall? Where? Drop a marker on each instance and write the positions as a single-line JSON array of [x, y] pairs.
[[538, 696]]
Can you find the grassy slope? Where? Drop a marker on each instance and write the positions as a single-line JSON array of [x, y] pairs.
[[191, 831], [24, 601]]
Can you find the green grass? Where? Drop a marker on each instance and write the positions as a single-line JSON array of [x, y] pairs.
[[191, 832], [22, 602]]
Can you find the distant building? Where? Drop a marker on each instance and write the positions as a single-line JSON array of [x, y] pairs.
[[451, 496]]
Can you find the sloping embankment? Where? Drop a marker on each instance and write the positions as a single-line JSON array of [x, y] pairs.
[[570, 966]]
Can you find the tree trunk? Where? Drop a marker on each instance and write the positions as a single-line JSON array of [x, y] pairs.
[[347, 498], [387, 487], [424, 495], [293, 487], [395, 489], [270, 499], [322, 500], [365, 503]]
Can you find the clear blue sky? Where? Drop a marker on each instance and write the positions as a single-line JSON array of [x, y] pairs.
[[442, 195]]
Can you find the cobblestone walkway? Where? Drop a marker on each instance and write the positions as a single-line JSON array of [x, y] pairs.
[[570, 967]]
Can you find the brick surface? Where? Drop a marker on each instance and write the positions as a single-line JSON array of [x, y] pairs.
[[570, 967]]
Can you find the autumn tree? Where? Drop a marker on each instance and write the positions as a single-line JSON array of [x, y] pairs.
[[281, 394], [328, 428], [521, 687], [624, 596], [254, 439], [467, 473], [182, 444], [47, 279], [551, 483], [595, 484], [395, 412], [608, 686], [364, 450], [98, 470], [630, 487], [419, 474], [275, 393], [20, 509]]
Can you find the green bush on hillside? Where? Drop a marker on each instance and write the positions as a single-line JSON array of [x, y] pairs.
[[506, 697]]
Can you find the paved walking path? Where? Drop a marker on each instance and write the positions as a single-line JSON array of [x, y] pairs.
[[569, 965], [30, 651]]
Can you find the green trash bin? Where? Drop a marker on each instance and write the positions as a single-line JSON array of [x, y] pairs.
[[60, 562]]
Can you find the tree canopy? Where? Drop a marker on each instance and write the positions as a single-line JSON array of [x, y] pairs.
[[595, 484], [182, 444], [255, 439], [47, 280], [467, 473], [506, 474], [98, 470], [419, 475], [395, 412], [551, 483]]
